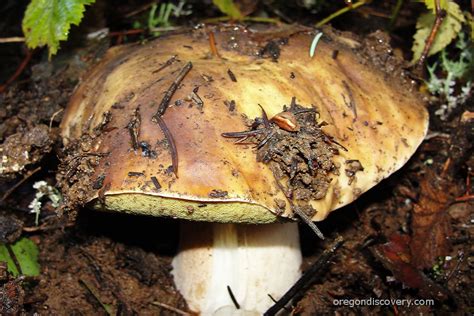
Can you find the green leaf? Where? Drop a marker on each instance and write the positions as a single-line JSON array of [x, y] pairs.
[[228, 7], [47, 22], [430, 4], [470, 22], [26, 254], [447, 32], [5, 257]]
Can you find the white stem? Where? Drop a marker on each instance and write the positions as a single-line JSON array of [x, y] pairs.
[[253, 260]]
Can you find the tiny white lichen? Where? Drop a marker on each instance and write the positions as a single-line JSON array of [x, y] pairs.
[[43, 189], [454, 71]]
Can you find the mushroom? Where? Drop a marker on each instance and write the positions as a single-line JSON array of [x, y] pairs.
[[147, 132]]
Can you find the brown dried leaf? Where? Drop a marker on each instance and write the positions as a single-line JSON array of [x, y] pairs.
[[395, 256], [430, 224]]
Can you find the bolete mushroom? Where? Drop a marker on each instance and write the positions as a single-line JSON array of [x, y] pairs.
[[160, 129]]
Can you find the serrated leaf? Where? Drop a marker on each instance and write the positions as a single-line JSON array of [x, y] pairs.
[[47, 22], [26, 254], [228, 7], [431, 4], [447, 32]]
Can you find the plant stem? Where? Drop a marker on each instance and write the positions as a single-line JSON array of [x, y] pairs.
[[395, 13], [341, 11], [244, 19]]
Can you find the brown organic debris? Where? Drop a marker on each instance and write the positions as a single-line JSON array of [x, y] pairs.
[[231, 75], [430, 222], [12, 297], [351, 168], [24, 148], [76, 176], [10, 229], [218, 193], [299, 152], [134, 128], [397, 257], [161, 110]]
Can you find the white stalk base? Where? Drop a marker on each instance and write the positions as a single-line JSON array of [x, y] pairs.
[[253, 260]]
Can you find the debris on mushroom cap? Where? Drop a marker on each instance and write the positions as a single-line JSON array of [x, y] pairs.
[[373, 116]]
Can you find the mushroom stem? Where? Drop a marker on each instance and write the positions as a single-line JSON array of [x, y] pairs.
[[253, 261]]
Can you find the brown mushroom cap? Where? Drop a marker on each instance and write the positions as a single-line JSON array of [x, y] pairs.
[[374, 116]]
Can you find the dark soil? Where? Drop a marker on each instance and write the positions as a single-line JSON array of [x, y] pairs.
[[94, 265], [408, 238]]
